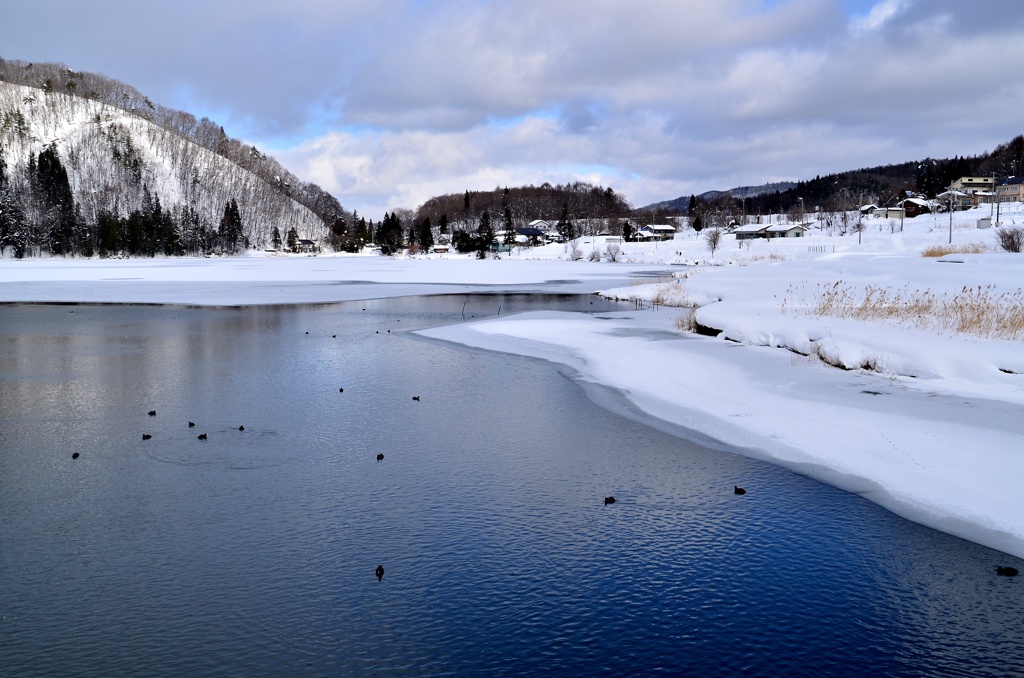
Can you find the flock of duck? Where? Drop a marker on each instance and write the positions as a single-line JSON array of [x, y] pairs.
[[1001, 570], [202, 436]]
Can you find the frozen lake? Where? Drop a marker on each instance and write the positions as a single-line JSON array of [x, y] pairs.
[[253, 552]]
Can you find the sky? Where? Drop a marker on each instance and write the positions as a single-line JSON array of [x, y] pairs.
[[386, 103]]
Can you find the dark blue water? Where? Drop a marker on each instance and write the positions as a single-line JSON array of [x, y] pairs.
[[253, 552]]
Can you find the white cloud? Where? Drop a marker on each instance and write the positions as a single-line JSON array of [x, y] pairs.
[[387, 102], [880, 14]]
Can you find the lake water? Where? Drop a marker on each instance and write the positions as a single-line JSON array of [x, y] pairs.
[[253, 552]]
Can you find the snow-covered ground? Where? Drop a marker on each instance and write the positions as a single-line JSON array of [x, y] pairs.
[[926, 421]]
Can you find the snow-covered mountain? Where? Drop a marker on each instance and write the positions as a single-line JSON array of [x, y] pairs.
[[121, 154]]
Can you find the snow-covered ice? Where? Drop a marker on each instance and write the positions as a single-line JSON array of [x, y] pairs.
[[932, 430]]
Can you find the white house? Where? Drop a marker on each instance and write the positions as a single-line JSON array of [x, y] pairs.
[[786, 231], [657, 232], [751, 231]]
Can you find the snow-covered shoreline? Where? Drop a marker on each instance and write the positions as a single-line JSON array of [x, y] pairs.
[[934, 433]]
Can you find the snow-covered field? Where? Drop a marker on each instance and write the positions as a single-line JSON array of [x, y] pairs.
[[923, 419]]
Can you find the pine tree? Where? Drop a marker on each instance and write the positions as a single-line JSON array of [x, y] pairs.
[[12, 217], [230, 230], [53, 190], [339, 230], [509, 239], [565, 227], [293, 238], [108, 233], [83, 235], [275, 239], [426, 235], [486, 234], [389, 235]]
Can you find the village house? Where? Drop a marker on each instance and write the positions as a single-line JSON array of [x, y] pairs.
[[786, 231], [957, 199], [750, 231], [973, 184], [1010, 190], [913, 207], [657, 232]]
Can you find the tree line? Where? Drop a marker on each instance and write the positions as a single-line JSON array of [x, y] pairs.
[[595, 207], [884, 185], [120, 151], [40, 215]]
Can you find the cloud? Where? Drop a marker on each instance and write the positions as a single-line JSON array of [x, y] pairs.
[[387, 102], [880, 14]]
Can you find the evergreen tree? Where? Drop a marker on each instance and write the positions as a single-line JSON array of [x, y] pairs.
[[230, 230], [108, 234], [13, 229], [293, 238], [485, 232], [275, 239], [442, 224], [339, 229], [389, 235], [565, 227], [135, 232], [627, 231], [509, 239], [365, 232], [83, 235], [193, 232], [426, 235], [53, 191]]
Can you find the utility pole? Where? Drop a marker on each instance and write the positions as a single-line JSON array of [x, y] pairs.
[[950, 189]]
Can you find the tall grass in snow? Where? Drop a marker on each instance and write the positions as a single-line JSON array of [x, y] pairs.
[[977, 311]]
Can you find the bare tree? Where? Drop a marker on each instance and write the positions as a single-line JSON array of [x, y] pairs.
[[713, 236], [1011, 238]]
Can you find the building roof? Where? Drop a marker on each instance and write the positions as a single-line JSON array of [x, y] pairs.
[[782, 228], [1010, 181], [752, 228]]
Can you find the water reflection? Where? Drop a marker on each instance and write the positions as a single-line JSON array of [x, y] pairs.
[[254, 552]]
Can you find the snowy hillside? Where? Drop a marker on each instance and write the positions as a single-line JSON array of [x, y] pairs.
[[114, 157]]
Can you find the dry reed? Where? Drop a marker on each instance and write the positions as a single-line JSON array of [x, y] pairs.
[[977, 311], [943, 250]]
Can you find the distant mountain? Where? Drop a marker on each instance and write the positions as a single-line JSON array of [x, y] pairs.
[[883, 184], [89, 163], [682, 203]]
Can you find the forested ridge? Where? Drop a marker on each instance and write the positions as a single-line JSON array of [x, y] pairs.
[[884, 185], [89, 165]]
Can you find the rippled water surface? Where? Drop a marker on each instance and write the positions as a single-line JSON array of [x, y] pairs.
[[253, 552]]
